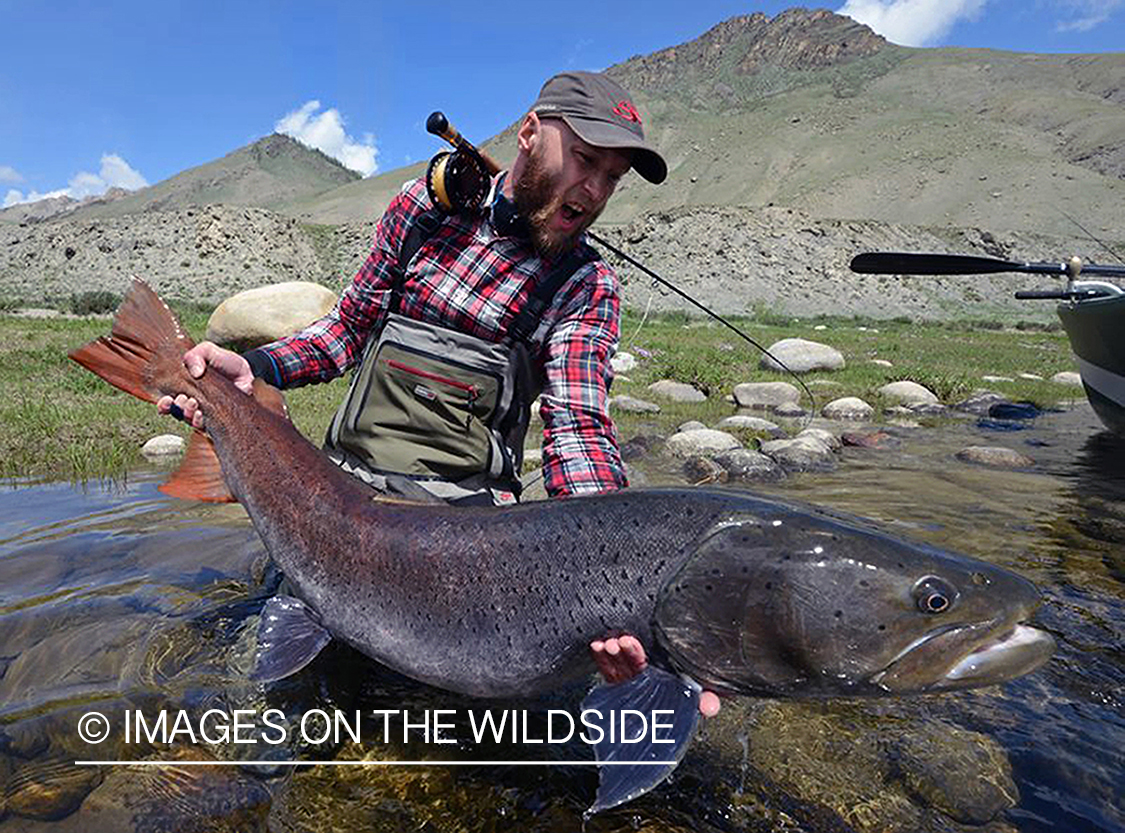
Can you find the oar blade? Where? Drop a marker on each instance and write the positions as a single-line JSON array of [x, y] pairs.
[[906, 263]]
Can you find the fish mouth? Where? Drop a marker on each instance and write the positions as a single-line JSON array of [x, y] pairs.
[[967, 656]]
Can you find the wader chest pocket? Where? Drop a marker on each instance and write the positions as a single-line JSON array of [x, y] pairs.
[[426, 414]]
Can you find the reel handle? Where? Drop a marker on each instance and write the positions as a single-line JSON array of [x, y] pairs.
[[439, 125]]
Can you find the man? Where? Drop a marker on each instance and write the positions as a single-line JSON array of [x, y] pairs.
[[424, 327]]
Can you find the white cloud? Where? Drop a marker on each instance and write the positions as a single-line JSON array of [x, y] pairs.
[[912, 22], [325, 132], [115, 173], [9, 174], [1084, 15]]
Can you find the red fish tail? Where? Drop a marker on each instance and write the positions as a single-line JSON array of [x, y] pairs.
[[143, 354]]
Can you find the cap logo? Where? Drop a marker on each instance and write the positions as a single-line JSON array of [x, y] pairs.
[[627, 111]]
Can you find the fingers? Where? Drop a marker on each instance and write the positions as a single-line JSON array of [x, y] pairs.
[[207, 354], [619, 658], [183, 408]]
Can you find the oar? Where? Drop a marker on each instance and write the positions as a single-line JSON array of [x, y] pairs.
[[905, 263]]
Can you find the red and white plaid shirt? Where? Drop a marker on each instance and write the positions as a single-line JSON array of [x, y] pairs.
[[471, 278]]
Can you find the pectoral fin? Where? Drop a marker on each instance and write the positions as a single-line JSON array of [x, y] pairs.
[[289, 638], [628, 767]]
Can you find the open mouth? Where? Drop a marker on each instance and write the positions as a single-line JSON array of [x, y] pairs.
[[967, 656], [572, 213]]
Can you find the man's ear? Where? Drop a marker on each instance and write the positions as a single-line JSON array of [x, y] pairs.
[[528, 134]]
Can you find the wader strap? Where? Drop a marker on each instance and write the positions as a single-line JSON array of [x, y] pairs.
[[527, 321], [422, 228]]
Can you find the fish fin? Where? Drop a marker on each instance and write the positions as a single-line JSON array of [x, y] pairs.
[[289, 638], [145, 335], [650, 691], [199, 475]]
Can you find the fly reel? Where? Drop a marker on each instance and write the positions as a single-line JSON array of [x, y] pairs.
[[458, 180]]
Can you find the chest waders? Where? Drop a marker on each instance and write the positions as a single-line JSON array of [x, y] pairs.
[[441, 408]]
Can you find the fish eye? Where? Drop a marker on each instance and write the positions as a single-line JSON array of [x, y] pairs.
[[934, 595]]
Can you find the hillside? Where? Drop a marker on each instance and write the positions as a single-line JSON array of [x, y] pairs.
[[269, 173]]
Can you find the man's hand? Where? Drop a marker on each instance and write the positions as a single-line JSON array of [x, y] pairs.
[[621, 658], [200, 357]]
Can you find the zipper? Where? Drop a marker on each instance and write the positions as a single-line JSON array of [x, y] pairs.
[[472, 390]]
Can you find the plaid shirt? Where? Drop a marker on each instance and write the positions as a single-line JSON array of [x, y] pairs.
[[469, 277]]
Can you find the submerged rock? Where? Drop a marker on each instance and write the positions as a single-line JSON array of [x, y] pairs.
[[995, 456]]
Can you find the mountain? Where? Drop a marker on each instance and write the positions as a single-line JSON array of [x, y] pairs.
[[792, 142], [269, 173]]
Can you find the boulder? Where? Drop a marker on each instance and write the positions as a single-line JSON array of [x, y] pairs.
[[766, 395], [701, 442], [677, 391], [995, 456], [848, 407], [267, 313], [908, 393], [802, 356]]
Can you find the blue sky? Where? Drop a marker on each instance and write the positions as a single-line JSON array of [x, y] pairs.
[[129, 93]]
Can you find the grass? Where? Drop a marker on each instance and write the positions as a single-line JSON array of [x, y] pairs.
[[60, 421]]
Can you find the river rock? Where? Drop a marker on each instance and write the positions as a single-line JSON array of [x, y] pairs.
[[267, 313], [1031, 377], [623, 362], [640, 445], [927, 408], [995, 456], [964, 774], [766, 395], [980, 402], [748, 423], [870, 439], [700, 470], [1067, 377], [701, 442], [677, 391], [748, 465], [802, 356], [691, 425], [48, 790], [629, 405], [799, 454], [992, 379], [849, 408], [907, 392], [822, 435], [163, 445], [880, 363], [791, 410]]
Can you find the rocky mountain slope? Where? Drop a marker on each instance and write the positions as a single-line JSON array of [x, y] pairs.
[[793, 143]]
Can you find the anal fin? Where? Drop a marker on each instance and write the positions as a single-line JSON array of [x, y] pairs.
[[289, 638], [629, 767]]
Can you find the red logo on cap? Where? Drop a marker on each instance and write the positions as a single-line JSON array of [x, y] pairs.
[[627, 111]]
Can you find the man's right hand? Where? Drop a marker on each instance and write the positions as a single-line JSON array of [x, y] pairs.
[[197, 360]]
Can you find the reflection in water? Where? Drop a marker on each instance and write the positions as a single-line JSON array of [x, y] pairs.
[[116, 599]]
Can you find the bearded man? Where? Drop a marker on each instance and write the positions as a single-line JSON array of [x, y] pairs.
[[440, 397]]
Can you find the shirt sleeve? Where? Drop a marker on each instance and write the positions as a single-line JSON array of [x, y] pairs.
[[580, 452], [329, 346]]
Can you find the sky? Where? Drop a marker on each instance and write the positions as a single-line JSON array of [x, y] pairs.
[[96, 95]]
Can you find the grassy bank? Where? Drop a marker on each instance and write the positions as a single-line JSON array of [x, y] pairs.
[[59, 420]]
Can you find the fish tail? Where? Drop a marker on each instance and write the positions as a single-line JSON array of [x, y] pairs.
[[145, 347], [143, 356]]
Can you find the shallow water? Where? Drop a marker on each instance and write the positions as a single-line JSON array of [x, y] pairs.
[[116, 599]]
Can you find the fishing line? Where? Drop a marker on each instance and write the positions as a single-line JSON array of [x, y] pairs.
[[1092, 236]]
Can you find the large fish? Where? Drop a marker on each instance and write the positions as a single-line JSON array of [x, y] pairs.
[[739, 594]]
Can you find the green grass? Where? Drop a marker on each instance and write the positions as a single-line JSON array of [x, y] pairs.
[[58, 420]]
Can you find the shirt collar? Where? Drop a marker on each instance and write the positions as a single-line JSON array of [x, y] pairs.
[[506, 218]]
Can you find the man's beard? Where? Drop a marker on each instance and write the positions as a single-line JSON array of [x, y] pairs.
[[537, 202]]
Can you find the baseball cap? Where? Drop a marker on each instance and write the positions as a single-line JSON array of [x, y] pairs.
[[601, 112]]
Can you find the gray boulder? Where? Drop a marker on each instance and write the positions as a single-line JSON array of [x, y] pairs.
[[995, 456], [630, 405], [677, 391], [766, 395], [848, 407], [908, 393], [801, 356], [701, 442]]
